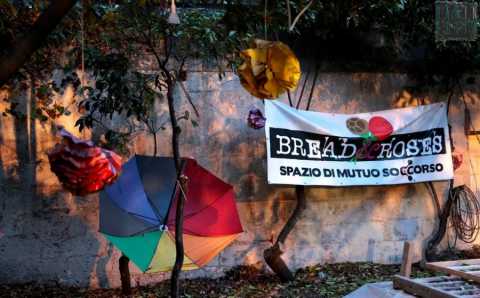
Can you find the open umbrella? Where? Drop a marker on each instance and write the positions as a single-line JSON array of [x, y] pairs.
[[137, 213]]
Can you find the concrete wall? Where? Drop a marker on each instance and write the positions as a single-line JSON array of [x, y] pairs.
[[49, 235]]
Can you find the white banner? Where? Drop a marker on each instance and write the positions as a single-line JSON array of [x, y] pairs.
[[387, 147]]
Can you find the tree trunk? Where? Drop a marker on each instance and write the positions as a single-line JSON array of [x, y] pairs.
[[273, 258], [125, 275], [177, 268], [273, 254], [31, 41]]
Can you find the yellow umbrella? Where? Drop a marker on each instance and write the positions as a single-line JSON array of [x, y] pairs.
[[269, 69]]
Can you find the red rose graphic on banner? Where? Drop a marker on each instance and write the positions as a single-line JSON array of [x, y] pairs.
[[377, 128], [380, 127]]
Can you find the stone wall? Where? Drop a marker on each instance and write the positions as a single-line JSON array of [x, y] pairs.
[[48, 235]]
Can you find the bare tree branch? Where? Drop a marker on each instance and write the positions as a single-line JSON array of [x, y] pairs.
[[23, 49]]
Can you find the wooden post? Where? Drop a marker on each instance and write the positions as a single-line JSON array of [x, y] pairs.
[[406, 268], [125, 275]]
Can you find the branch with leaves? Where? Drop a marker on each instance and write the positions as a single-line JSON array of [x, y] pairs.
[[122, 90]]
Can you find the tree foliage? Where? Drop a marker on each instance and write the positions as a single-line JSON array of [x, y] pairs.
[[354, 35], [123, 87], [118, 36]]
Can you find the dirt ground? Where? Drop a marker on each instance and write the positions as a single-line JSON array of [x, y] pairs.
[[333, 280]]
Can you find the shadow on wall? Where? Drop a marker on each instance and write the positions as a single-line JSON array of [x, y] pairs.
[[46, 235], [340, 224]]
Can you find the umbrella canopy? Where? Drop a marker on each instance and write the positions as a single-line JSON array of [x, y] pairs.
[[137, 213]]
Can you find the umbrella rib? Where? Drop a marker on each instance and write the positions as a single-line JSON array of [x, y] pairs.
[[172, 199], [142, 189], [152, 205], [154, 208], [142, 216], [209, 205], [192, 232], [172, 237], [148, 229]]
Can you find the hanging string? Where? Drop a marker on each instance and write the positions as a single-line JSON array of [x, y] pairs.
[[181, 187], [312, 87], [289, 13], [265, 19], [82, 41]]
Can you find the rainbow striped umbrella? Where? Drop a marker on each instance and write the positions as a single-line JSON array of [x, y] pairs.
[[137, 213]]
